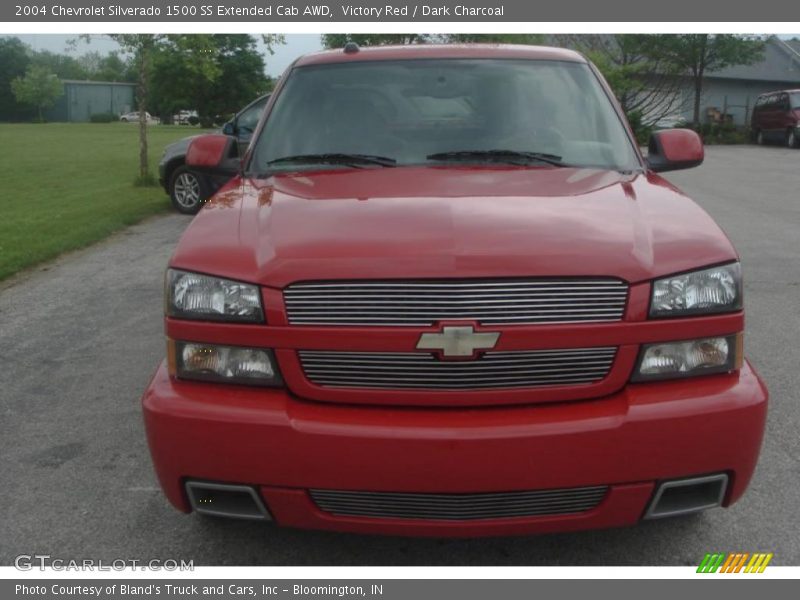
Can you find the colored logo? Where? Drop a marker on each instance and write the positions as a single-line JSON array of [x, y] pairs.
[[735, 562]]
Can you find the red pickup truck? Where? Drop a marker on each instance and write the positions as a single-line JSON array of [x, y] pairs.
[[447, 295]]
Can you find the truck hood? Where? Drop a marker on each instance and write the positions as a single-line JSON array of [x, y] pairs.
[[450, 222]]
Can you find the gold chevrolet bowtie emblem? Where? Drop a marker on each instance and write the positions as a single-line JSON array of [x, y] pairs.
[[458, 341]]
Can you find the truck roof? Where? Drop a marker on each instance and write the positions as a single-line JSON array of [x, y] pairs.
[[426, 51]]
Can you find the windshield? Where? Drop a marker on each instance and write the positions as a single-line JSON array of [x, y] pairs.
[[794, 99], [433, 111]]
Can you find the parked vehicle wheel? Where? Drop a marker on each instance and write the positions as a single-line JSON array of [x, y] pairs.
[[791, 139], [187, 191], [760, 138]]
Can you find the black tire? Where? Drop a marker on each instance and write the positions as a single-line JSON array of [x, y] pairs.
[[187, 190], [792, 140]]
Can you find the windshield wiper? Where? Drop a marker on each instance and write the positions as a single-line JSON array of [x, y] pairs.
[[509, 156], [337, 158]]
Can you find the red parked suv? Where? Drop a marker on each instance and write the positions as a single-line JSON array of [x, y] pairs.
[[448, 296], [776, 118]]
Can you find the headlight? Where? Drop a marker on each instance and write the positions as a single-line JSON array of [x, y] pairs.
[[714, 290], [222, 364], [200, 297], [689, 358]]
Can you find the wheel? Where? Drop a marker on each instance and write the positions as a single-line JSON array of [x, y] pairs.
[[124, 120], [760, 138], [187, 191], [792, 140]]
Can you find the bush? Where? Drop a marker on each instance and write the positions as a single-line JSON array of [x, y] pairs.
[[102, 118], [722, 133], [640, 130]]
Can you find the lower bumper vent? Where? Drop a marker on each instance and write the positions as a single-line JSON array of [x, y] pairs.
[[458, 507]]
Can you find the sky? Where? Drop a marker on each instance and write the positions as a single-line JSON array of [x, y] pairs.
[[296, 45]]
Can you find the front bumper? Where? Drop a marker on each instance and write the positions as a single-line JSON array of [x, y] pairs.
[[285, 446], [162, 173]]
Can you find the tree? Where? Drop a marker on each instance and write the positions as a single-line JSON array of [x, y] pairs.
[[112, 67], [39, 88], [242, 77], [14, 61], [699, 54], [62, 65], [273, 39], [214, 74], [202, 66], [141, 46], [184, 68], [647, 85], [90, 63]]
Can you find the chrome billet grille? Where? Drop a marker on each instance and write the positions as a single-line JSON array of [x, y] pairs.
[[458, 507], [420, 303], [408, 370]]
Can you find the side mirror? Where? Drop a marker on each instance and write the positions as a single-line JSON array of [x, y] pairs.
[[229, 128], [673, 149], [213, 152]]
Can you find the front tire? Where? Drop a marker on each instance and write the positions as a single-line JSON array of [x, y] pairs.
[[187, 190], [792, 140]]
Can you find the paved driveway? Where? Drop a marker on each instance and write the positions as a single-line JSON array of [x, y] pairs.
[[80, 338]]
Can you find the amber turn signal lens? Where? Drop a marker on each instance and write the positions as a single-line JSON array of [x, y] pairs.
[[739, 358]]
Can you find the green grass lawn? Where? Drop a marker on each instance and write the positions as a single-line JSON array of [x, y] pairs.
[[68, 185]]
